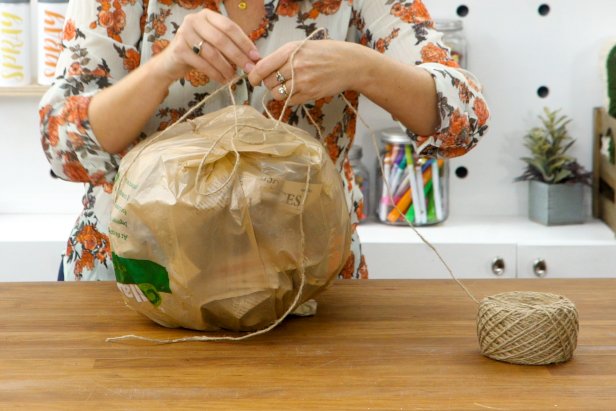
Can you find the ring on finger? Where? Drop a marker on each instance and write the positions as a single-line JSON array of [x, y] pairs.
[[197, 47], [280, 78], [282, 90]]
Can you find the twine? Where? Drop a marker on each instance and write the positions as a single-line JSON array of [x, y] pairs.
[[542, 328], [517, 327], [527, 328]]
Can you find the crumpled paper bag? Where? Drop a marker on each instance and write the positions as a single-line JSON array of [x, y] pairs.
[[206, 228]]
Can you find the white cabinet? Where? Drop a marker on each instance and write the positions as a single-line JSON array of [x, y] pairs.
[[31, 245], [566, 261], [398, 260], [471, 247]]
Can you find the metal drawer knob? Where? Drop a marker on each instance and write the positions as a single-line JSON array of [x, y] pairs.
[[540, 267], [498, 266]]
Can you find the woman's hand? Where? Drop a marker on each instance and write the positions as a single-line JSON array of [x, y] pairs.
[[321, 68], [222, 45]]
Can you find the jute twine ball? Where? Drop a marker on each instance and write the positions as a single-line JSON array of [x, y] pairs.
[[527, 328]]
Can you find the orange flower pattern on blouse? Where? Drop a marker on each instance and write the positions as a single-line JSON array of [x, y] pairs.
[[382, 44], [70, 31], [94, 247], [411, 12], [196, 78], [434, 53], [288, 8], [104, 40]]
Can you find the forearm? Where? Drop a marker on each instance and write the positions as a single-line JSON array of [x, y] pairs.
[[119, 113], [408, 93]]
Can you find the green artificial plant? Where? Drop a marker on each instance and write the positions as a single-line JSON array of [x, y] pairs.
[[549, 162]]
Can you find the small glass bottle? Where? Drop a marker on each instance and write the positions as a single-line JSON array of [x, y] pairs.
[[453, 37], [15, 67], [51, 14], [418, 186], [362, 179]]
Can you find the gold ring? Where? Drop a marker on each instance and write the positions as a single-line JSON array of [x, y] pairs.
[[282, 89], [197, 48], [280, 78]]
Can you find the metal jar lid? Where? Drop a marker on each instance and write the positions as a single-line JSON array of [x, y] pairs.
[[394, 135], [448, 24]]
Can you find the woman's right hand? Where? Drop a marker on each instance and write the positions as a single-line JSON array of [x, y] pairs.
[[224, 46]]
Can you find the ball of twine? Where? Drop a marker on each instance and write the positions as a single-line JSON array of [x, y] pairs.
[[527, 328]]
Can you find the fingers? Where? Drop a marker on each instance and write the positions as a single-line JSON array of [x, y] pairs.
[[212, 56], [241, 50], [267, 66], [220, 50], [204, 66], [283, 75], [222, 46]]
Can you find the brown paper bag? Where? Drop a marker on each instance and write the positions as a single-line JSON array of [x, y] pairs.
[[207, 226]]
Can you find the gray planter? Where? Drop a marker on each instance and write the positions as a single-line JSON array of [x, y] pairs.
[[556, 204]]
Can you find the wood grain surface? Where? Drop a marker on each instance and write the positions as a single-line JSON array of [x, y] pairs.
[[403, 345]]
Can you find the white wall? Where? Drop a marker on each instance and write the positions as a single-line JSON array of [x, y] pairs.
[[25, 183], [513, 51]]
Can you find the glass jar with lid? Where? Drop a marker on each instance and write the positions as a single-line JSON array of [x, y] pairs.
[[362, 179], [418, 186], [453, 37]]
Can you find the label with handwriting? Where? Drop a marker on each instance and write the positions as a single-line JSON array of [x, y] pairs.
[[50, 26], [14, 44]]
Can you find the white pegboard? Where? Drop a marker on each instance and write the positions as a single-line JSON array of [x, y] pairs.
[[514, 50]]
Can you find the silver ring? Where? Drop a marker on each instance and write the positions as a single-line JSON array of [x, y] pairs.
[[197, 47], [282, 90], [280, 78]]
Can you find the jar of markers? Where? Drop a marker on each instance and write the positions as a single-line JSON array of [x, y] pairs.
[[418, 186]]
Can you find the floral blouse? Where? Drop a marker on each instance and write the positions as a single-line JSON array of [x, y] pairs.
[[104, 40]]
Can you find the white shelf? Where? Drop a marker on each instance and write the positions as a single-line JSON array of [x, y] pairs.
[[31, 245], [497, 230], [20, 228], [471, 230], [471, 245], [35, 90]]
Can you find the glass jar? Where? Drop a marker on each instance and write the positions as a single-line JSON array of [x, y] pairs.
[[51, 15], [453, 37], [362, 179], [419, 185], [15, 67]]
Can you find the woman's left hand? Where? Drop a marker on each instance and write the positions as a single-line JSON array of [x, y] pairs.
[[321, 68]]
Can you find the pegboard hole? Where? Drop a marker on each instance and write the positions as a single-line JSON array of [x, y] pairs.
[[462, 10], [544, 10], [461, 172], [543, 91]]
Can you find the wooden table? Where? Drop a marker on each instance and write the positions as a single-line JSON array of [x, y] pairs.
[[373, 345]]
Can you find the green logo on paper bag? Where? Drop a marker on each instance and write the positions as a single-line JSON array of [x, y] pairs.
[[151, 278]]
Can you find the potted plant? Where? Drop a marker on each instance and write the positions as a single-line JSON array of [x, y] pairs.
[[556, 194]]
